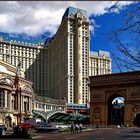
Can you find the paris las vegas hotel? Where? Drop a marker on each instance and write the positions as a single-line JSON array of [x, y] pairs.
[[59, 68]]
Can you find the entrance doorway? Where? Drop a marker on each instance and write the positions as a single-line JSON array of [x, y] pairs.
[[116, 110]]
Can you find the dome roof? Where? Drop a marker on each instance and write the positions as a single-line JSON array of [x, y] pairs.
[[3, 69]]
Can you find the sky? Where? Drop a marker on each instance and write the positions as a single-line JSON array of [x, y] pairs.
[[36, 18], [119, 99]]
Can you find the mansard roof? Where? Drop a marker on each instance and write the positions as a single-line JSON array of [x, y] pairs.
[[71, 11]]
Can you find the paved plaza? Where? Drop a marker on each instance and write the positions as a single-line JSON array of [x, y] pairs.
[[94, 134], [114, 133]]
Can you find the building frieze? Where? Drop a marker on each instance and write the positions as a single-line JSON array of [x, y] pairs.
[[118, 78]]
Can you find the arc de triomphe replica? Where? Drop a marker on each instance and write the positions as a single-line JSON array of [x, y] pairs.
[[104, 88]]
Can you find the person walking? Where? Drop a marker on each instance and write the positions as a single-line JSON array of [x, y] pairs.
[[72, 128], [76, 128], [80, 127]]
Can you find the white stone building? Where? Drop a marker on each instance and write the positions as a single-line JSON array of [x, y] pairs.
[[100, 63]]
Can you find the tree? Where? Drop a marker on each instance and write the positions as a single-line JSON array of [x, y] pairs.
[[127, 40]]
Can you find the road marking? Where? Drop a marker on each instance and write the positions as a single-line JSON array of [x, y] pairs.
[[71, 138]]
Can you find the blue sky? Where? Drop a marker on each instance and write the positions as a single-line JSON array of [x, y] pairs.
[[101, 40], [37, 18]]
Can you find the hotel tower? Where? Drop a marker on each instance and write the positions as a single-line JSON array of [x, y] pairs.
[[68, 59]]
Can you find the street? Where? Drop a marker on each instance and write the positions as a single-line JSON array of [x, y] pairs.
[[96, 134]]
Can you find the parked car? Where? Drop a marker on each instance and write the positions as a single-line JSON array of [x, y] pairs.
[[3, 129], [26, 125]]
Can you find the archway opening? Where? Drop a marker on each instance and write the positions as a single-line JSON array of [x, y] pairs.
[[116, 110]]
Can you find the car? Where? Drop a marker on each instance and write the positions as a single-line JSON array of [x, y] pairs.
[[3, 129], [26, 125]]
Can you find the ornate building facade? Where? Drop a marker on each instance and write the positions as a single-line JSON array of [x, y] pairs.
[[16, 96], [18, 100]]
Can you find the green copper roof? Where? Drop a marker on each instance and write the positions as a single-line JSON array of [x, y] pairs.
[[71, 11]]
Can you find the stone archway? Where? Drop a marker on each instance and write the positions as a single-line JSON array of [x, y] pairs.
[[104, 88], [115, 111]]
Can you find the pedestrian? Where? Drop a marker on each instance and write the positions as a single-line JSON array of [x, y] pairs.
[[72, 128], [80, 127], [76, 128]]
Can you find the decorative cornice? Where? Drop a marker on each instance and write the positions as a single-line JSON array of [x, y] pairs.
[[113, 79]]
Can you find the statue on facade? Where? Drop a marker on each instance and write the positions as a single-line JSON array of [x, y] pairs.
[[18, 69]]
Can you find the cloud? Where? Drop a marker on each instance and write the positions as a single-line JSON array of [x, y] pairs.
[[93, 26], [36, 17]]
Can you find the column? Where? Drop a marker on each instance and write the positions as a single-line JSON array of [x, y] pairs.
[[30, 104], [21, 103], [5, 99], [10, 101]]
